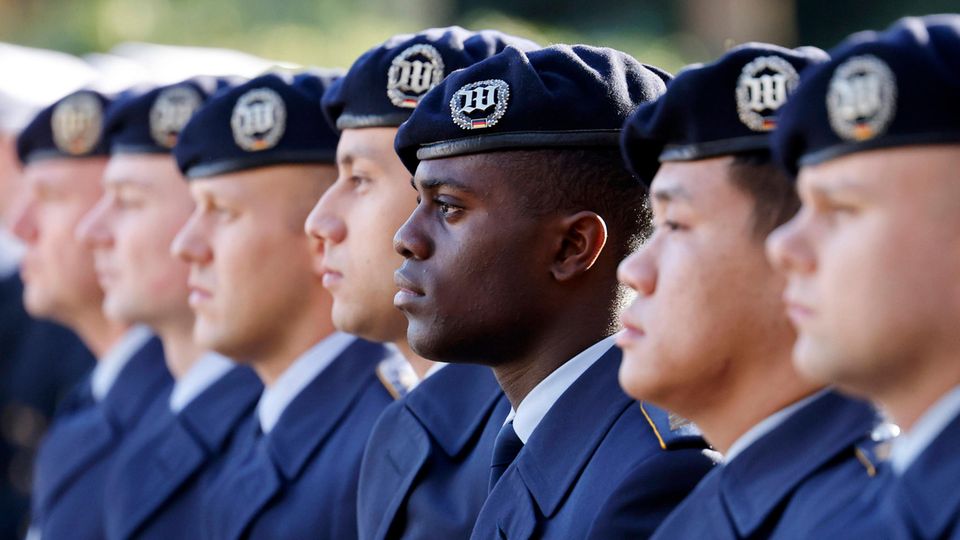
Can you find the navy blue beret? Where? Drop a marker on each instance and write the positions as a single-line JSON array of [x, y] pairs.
[[274, 119], [149, 122], [72, 127], [384, 85], [725, 107], [879, 90], [560, 96]]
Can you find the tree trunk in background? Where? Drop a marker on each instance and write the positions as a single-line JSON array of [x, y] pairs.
[[721, 24]]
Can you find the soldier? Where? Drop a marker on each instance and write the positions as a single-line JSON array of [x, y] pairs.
[[130, 230], [706, 335], [426, 467], [64, 154], [257, 158], [872, 257], [524, 212], [40, 361]]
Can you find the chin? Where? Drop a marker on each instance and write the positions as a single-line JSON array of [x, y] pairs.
[[812, 362], [434, 344]]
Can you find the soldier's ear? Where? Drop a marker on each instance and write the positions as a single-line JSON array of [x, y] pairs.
[[580, 240]]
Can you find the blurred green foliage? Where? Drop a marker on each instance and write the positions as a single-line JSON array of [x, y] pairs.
[[335, 32]]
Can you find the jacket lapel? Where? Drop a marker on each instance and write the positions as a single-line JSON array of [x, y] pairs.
[[927, 492], [86, 430], [314, 414], [187, 443], [71, 446], [562, 444], [250, 489], [305, 424], [450, 407], [755, 484], [391, 473]]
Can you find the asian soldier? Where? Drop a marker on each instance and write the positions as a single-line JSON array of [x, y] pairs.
[[706, 335]]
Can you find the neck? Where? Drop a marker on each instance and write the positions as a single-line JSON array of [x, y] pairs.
[[97, 332], [420, 364], [519, 375], [914, 391], [179, 349], [298, 337], [746, 400]]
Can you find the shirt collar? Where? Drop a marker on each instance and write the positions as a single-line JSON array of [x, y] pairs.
[[305, 369], [110, 365], [11, 250], [538, 402], [208, 369], [767, 425], [909, 445]]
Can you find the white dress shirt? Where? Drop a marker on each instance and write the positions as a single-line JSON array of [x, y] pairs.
[[11, 251], [910, 444], [302, 372], [540, 400], [108, 367], [208, 369]]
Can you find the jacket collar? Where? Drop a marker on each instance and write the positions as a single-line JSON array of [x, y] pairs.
[[927, 490], [758, 480], [454, 403], [187, 442], [559, 449], [215, 413], [301, 429], [139, 383]]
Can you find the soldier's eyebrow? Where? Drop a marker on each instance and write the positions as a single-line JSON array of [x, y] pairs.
[[434, 183], [669, 194], [841, 188]]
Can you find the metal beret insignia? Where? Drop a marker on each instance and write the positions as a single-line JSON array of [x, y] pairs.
[[77, 124], [481, 104], [763, 87], [259, 120], [412, 74], [861, 98], [170, 112]]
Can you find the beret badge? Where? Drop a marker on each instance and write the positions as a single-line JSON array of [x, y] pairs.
[[412, 74], [170, 113], [763, 87], [861, 98], [481, 104], [259, 120], [77, 124]]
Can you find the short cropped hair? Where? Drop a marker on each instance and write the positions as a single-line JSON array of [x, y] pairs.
[[773, 193], [555, 180]]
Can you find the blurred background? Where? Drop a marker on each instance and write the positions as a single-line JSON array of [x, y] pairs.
[[669, 33]]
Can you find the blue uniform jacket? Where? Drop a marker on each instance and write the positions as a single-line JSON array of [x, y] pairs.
[[300, 480], [40, 362], [593, 439], [924, 502], [788, 482], [427, 463], [155, 488], [75, 457]]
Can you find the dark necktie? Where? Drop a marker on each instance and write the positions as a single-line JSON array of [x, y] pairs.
[[505, 450]]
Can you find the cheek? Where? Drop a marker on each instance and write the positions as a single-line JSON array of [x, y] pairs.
[[861, 277]]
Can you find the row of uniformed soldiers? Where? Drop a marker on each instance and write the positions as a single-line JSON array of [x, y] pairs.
[[294, 343]]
